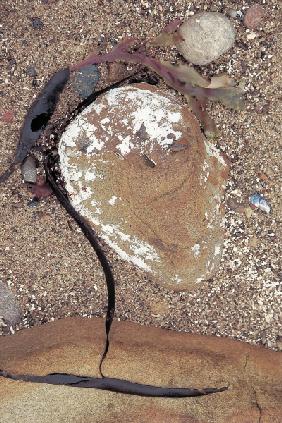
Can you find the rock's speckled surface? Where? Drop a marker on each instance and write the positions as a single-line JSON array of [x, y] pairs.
[[138, 167]]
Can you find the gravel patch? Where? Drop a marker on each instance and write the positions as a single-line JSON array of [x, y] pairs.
[[43, 256]]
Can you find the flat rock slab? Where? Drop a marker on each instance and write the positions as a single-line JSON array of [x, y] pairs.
[[136, 164], [141, 354]]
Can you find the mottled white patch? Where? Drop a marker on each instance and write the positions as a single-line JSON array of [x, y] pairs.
[[149, 110], [99, 107], [212, 151], [84, 194], [125, 146], [90, 175], [75, 175], [205, 173], [96, 145], [113, 200], [196, 250], [217, 250], [177, 279], [151, 120], [141, 252]]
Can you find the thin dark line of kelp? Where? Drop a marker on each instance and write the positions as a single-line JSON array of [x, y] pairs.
[[112, 384]]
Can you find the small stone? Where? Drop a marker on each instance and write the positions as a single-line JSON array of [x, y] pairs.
[[251, 35], [28, 169], [206, 36], [86, 80], [7, 116], [254, 16], [253, 242], [34, 202], [31, 71], [37, 23], [232, 13], [248, 212], [41, 189], [9, 309]]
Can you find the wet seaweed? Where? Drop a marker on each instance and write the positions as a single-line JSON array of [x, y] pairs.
[[37, 118], [183, 78], [112, 384], [198, 92]]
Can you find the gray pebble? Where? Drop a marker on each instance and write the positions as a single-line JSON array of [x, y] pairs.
[[28, 169], [9, 309], [206, 37], [86, 80], [37, 23], [31, 71], [232, 13]]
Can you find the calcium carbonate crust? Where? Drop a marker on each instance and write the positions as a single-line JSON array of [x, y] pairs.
[[137, 166]]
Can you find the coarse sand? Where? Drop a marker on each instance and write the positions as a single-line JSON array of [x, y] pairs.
[[44, 258]]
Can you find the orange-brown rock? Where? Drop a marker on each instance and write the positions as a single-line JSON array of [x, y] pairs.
[[145, 355], [138, 167]]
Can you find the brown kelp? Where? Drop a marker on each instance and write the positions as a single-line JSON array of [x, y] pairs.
[[37, 118], [183, 78], [198, 91]]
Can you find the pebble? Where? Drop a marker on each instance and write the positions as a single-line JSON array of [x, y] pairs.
[[232, 13], [251, 35], [37, 23], [254, 16], [9, 309], [33, 202], [31, 71], [7, 116], [206, 37], [86, 80], [28, 170]]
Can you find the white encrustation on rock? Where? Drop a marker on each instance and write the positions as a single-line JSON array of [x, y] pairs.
[[206, 36], [137, 166]]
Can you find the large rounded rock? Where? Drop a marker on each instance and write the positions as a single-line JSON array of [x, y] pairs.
[[206, 36], [136, 164], [140, 354]]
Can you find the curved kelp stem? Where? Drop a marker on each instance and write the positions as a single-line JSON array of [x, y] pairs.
[[91, 235], [111, 384], [37, 118], [35, 122]]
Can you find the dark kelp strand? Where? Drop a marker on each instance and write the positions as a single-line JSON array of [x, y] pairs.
[[111, 384], [37, 118], [40, 112]]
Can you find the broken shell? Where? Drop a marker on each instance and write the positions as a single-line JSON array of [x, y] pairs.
[[28, 169], [259, 202]]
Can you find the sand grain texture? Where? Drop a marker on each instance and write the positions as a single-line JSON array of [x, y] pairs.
[[45, 260]]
